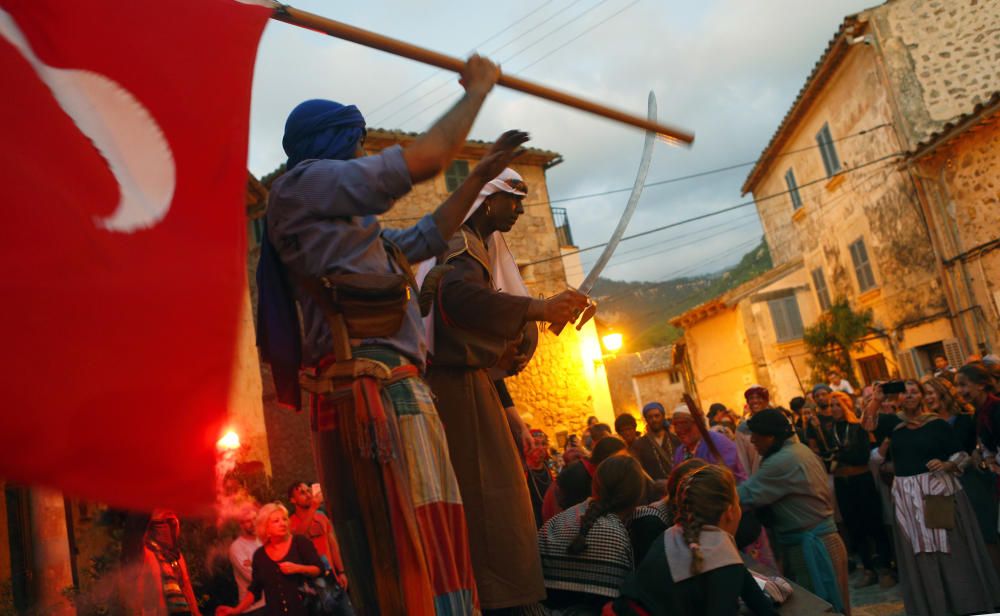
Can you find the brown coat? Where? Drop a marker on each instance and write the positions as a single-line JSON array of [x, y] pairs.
[[474, 326]]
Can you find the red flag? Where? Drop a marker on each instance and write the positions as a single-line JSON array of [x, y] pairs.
[[123, 167]]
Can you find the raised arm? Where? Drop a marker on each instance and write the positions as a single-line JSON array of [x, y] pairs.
[[450, 214], [431, 153]]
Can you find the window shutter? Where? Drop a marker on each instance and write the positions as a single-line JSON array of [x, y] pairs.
[[906, 368], [953, 351], [794, 317], [778, 318]]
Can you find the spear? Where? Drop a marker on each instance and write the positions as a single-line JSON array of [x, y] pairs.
[[304, 19]]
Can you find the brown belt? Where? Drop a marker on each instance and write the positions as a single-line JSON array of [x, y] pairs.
[[850, 471]]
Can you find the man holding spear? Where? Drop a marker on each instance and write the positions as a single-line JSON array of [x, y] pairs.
[[379, 441]]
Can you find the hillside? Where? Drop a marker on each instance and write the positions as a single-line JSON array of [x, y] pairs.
[[641, 310]]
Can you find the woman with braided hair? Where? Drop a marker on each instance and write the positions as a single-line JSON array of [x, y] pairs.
[[585, 550], [694, 567]]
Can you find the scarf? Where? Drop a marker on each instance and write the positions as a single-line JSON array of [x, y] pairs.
[[504, 272], [818, 561], [161, 540], [718, 549], [314, 129]]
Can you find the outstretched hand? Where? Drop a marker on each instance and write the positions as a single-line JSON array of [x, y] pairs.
[[506, 148]]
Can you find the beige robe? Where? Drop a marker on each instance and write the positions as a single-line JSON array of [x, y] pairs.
[[475, 325]]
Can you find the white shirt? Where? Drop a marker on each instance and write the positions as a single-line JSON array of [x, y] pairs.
[[241, 556], [844, 385]]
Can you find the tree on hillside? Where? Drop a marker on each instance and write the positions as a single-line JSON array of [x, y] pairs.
[[830, 341]]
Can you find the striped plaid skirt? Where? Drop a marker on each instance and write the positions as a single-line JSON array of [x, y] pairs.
[[400, 522]]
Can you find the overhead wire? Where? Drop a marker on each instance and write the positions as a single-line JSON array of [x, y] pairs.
[[492, 52], [719, 211], [672, 180], [440, 71], [503, 61]]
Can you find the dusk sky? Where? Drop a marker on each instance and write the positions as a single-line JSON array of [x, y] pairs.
[[727, 70]]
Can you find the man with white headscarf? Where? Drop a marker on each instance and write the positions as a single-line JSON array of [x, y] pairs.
[[479, 314]]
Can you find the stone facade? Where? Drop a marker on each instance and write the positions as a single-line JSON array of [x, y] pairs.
[[958, 175], [635, 379], [942, 58]]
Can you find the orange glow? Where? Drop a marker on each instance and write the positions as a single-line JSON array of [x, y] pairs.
[[230, 440], [612, 342]]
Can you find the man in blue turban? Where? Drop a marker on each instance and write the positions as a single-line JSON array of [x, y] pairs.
[[379, 442]]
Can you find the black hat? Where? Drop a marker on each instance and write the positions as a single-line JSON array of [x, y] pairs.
[[770, 422]]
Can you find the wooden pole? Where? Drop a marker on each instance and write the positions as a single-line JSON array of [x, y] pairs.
[[367, 38]]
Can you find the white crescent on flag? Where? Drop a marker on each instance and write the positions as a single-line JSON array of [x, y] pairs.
[[120, 127]]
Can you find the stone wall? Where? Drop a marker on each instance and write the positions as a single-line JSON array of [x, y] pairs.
[[943, 57], [646, 376], [961, 184]]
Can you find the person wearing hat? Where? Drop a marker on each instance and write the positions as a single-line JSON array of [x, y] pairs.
[[758, 399], [480, 315], [655, 449], [694, 443], [792, 483]]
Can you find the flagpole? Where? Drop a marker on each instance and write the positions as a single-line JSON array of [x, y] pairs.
[[311, 21]]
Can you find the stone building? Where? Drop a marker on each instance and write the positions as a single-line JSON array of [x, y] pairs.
[[636, 379], [879, 184], [731, 341]]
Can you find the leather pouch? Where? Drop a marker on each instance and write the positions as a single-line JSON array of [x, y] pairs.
[[939, 511], [373, 305]]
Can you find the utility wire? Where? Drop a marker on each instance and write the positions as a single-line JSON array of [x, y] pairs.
[[503, 61], [720, 211], [669, 180], [578, 36], [446, 82], [439, 71]]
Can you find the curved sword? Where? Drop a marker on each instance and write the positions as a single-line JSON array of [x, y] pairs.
[[633, 201]]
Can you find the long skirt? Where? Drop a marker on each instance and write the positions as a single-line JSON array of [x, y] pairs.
[[400, 522], [960, 581], [498, 511]]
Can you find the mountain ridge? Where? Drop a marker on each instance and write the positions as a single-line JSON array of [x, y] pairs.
[[641, 311]]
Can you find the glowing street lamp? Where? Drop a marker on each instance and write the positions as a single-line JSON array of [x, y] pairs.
[[230, 441], [612, 342]]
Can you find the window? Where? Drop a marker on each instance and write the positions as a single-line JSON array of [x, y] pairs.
[[822, 293], [830, 160], [456, 174], [786, 318], [873, 368], [793, 189], [862, 266]]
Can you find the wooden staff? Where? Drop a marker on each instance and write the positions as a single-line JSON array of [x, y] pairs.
[[367, 38]]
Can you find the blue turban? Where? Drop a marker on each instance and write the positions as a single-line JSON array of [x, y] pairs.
[[322, 129], [822, 387], [651, 406]]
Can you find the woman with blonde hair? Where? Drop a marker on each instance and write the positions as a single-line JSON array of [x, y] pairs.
[[943, 564], [280, 567], [694, 568]]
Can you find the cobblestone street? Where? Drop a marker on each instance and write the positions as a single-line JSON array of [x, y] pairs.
[[874, 600]]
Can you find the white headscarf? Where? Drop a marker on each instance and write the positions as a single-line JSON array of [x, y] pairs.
[[503, 268]]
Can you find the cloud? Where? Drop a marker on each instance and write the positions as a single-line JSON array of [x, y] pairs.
[[727, 69]]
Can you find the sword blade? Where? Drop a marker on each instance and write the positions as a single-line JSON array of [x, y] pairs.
[[633, 201]]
